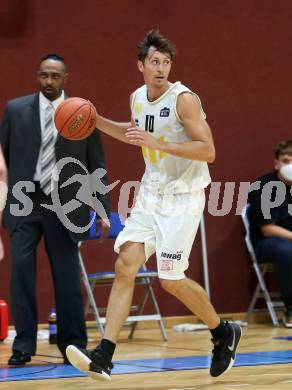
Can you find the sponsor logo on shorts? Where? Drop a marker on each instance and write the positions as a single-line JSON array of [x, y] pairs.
[[174, 256], [166, 265]]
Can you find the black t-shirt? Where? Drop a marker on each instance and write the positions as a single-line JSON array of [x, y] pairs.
[[270, 204]]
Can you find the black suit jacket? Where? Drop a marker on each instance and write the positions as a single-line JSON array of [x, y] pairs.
[[20, 136]]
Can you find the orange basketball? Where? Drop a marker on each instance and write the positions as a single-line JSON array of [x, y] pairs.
[[75, 118]]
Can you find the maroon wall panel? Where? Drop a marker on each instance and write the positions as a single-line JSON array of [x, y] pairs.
[[235, 54]]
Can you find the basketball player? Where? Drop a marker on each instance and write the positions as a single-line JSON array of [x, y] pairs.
[[168, 122]]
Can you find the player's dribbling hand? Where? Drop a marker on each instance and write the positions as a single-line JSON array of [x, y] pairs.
[[139, 137], [103, 226], [1, 249], [97, 116]]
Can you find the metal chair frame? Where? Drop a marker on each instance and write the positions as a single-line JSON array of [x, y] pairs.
[[144, 277], [261, 269]]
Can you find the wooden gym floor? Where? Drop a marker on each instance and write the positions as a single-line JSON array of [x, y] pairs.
[[264, 361]]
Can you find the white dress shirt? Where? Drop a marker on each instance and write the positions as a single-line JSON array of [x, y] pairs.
[[43, 103]]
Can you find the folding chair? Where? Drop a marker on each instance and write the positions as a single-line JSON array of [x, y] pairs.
[[144, 277], [261, 269]]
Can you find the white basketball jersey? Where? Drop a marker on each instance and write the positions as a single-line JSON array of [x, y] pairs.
[[166, 173]]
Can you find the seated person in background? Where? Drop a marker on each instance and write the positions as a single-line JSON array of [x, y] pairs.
[[271, 222]]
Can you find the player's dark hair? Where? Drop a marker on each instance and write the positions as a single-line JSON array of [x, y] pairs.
[[55, 57], [155, 39], [283, 147]]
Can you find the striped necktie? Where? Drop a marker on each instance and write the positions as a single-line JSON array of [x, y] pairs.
[[48, 151]]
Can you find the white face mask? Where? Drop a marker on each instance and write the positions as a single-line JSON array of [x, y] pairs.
[[286, 171]]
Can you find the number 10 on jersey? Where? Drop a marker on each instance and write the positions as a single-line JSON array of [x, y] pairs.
[[149, 123]]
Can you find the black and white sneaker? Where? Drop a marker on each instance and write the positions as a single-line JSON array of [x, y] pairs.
[[224, 351], [95, 364]]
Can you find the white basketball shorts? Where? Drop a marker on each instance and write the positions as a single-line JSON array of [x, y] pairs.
[[167, 225]]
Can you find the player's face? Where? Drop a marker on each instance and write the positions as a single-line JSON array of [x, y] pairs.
[[51, 78], [155, 68]]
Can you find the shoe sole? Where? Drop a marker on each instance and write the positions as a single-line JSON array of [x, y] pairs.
[[18, 364], [232, 360], [82, 363]]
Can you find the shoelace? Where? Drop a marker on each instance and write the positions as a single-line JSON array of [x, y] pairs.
[[218, 345], [102, 360]]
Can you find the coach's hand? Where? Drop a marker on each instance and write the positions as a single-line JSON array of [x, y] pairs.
[[103, 226]]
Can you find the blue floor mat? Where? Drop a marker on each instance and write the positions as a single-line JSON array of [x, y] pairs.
[[53, 371]]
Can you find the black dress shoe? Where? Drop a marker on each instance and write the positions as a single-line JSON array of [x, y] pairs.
[[19, 358]]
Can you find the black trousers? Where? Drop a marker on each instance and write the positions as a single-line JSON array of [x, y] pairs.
[[279, 251], [63, 257]]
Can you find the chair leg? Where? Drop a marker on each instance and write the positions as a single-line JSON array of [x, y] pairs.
[[90, 295], [252, 303], [156, 306], [264, 289], [161, 324], [273, 313], [149, 291], [140, 310]]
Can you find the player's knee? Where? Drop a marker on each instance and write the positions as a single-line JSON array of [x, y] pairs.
[[124, 267], [171, 286], [121, 269]]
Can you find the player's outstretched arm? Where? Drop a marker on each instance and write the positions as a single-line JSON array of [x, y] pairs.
[[200, 147], [114, 129]]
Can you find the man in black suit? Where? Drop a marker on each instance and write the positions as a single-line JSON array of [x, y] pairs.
[[3, 191], [31, 145]]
